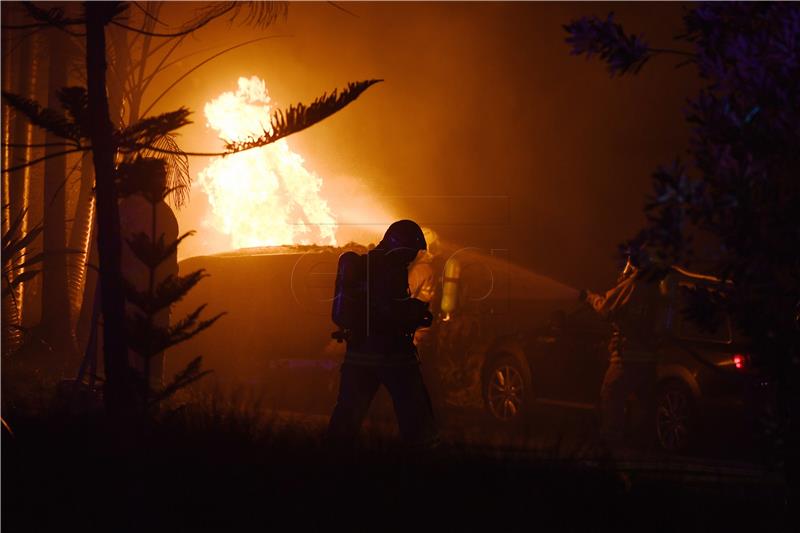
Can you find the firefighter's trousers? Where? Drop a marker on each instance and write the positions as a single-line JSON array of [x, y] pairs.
[[412, 404], [623, 379]]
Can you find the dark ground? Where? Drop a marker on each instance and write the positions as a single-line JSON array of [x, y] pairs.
[[222, 464]]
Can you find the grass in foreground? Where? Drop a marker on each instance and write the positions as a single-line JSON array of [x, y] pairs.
[[218, 464]]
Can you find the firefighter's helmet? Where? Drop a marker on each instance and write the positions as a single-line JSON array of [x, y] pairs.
[[404, 234], [403, 241]]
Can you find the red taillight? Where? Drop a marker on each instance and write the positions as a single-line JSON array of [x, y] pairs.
[[740, 361]]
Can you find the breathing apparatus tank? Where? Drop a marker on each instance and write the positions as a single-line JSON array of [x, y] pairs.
[[349, 308], [450, 279]]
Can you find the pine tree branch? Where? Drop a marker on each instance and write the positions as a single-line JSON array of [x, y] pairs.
[[146, 339], [52, 18], [37, 26], [75, 102], [51, 120], [187, 376], [179, 336], [40, 145], [170, 291], [28, 26], [153, 253]]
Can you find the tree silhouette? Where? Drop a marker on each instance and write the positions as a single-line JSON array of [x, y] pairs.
[[734, 208]]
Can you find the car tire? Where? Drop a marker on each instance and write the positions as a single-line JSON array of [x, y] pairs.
[[506, 389], [674, 417]]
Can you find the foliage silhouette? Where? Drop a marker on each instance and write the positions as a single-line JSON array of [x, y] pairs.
[[734, 209]]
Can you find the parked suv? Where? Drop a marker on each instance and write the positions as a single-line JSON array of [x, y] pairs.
[[704, 376]]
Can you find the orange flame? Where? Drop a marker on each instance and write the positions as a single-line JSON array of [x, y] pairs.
[[264, 196]]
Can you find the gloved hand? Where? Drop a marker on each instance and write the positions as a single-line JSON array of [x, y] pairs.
[[427, 319], [419, 315]]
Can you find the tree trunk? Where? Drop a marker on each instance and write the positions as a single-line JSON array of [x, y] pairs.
[[7, 67], [11, 337], [55, 324], [116, 89], [33, 183], [119, 396], [22, 65], [83, 280]]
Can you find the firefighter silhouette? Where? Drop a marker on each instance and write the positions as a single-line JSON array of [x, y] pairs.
[[635, 308], [378, 318]]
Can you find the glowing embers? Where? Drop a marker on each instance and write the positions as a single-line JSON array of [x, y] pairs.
[[264, 196]]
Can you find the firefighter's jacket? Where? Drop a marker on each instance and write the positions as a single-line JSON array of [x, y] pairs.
[[635, 309], [387, 335], [422, 278]]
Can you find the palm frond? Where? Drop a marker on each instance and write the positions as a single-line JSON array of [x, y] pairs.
[[259, 14], [262, 14], [299, 117], [19, 280], [143, 175], [14, 258], [178, 179], [147, 130], [13, 226], [13, 244]]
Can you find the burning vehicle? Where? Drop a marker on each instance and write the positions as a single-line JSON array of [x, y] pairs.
[[277, 331]]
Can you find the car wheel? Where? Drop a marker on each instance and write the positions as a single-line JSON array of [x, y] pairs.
[[506, 389], [674, 412]]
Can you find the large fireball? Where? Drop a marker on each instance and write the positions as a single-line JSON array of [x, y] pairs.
[[264, 196]]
